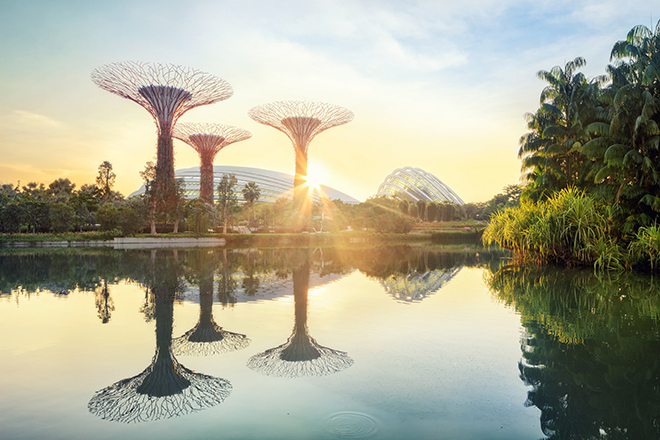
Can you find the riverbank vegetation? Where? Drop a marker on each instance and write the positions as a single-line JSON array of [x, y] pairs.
[[591, 164]]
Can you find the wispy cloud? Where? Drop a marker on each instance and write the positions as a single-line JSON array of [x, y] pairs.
[[27, 118]]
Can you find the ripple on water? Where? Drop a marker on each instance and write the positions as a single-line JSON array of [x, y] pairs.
[[352, 424]]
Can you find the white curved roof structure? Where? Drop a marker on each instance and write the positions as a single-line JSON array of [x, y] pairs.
[[272, 184], [416, 184]]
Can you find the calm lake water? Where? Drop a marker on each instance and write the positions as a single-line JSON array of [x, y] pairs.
[[382, 343]]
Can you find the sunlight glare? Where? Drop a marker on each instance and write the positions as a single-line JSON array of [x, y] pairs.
[[317, 174]]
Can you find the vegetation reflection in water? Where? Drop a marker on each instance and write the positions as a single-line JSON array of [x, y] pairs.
[[590, 351]]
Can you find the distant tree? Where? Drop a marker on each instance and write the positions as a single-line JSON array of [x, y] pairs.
[[251, 194], [177, 207], [105, 180], [200, 216], [34, 202], [421, 210], [108, 217], [432, 212], [61, 190], [403, 207], [227, 199], [62, 217], [85, 204], [148, 175]]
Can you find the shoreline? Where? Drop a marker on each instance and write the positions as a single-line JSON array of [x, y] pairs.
[[254, 240]]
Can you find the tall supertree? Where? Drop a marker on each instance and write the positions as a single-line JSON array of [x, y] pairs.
[[301, 121], [300, 355], [166, 91], [208, 140]]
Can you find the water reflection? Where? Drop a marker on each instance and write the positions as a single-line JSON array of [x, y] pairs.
[[165, 388], [411, 274], [591, 351], [207, 337], [300, 355]]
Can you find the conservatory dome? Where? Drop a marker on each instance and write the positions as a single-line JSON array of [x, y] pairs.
[[272, 184], [416, 184]]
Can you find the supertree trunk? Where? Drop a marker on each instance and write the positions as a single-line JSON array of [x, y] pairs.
[[206, 176], [301, 200], [165, 168]]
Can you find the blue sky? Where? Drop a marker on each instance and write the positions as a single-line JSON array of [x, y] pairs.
[[440, 85]]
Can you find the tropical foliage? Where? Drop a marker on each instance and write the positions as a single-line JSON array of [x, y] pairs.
[[601, 135], [591, 163]]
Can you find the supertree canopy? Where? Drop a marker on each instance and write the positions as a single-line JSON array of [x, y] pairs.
[[300, 355], [301, 121], [166, 91], [208, 140]]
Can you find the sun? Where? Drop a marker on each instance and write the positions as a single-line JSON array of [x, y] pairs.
[[317, 174]]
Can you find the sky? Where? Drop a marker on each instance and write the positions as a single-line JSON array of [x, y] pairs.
[[438, 85]]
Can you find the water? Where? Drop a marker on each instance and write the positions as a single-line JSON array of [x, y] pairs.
[[380, 343]]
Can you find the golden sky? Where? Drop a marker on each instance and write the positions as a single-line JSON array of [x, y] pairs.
[[438, 85]]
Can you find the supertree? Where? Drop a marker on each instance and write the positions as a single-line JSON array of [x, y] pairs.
[[166, 388], [166, 91], [301, 121], [300, 355], [208, 140]]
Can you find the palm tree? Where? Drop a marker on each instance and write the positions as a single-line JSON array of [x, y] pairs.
[[625, 146], [251, 194]]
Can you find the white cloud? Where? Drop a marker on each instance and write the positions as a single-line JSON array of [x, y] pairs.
[[27, 118]]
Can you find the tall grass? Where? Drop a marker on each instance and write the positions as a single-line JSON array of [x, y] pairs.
[[646, 246], [569, 228]]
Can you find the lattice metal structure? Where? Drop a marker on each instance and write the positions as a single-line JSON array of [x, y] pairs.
[[416, 184], [208, 338], [166, 91], [300, 355], [301, 121], [208, 140], [164, 389]]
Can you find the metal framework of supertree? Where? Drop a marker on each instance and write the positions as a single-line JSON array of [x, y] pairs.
[[208, 140], [208, 338], [166, 91], [300, 355], [166, 388], [301, 121]]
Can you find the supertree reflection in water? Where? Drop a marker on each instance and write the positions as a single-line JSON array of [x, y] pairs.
[[166, 388], [301, 355], [208, 338]]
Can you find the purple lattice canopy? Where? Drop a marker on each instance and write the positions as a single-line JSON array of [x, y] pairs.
[[208, 140], [166, 91], [301, 121]]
